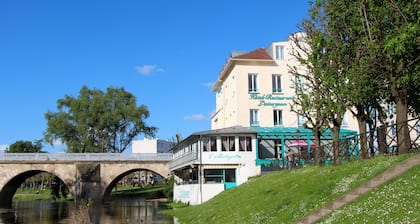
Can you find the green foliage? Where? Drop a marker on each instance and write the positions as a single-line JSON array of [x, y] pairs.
[[169, 188], [361, 53], [284, 196], [98, 122], [25, 147], [58, 189]]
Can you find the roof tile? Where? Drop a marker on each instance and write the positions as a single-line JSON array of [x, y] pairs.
[[259, 53]]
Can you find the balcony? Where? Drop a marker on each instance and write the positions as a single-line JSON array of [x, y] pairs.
[[183, 160]]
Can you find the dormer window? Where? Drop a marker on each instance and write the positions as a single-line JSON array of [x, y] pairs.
[[279, 52]]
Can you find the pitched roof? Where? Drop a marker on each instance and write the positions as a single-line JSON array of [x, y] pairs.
[[259, 53]]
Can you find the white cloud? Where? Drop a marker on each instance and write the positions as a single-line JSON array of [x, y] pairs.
[[3, 147], [195, 117], [148, 69]]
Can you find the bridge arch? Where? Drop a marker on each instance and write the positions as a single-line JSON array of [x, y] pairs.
[[11, 179], [87, 175], [110, 177]]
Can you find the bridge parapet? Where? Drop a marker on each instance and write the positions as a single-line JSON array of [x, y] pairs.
[[85, 157]]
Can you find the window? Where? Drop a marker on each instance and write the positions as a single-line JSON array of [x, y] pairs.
[[230, 175], [213, 146], [299, 84], [209, 143], [254, 119], [418, 128], [277, 149], [245, 143], [390, 109], [276, 80], [301, 119], [345, 122], [393, 128], [278, 117], [219, 175], [279, 52], [252, 82], [213, 176], [228, 143]]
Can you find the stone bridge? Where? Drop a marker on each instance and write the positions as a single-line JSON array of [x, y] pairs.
[[87, 176]]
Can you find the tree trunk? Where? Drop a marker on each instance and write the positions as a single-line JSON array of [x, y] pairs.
[[403, 135], [381, 133], [362, 137], [336, 144], [318, 149]]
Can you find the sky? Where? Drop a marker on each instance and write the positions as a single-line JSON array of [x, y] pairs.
[[166, 53]]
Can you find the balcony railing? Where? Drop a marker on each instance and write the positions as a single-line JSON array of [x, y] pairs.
[[187, 158]]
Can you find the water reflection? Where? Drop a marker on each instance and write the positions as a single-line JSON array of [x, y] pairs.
[[123, 210]]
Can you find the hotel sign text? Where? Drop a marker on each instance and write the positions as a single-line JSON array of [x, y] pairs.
[[270, 100]]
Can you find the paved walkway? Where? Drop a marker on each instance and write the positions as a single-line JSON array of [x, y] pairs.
[[382, 178]]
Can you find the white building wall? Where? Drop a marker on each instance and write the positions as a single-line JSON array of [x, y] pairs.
[[151, 146], [191, 193], [144, 146], [233, 101]]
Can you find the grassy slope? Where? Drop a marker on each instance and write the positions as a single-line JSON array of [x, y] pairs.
[[395, 202], [286, 196]]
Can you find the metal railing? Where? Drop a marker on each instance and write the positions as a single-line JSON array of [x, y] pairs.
[[85, 157], [383, 140], [189, 157]]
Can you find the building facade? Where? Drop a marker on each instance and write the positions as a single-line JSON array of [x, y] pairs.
[[151, 146], [254, 92], [209, 162]]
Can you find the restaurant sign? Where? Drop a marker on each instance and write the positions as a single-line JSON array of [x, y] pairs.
[[271, 100]]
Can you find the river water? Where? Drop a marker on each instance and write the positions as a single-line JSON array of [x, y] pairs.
[[119, 210]]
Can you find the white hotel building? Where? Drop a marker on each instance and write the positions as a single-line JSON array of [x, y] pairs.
[[252, 127]]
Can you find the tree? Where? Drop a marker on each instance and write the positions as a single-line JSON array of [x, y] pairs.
[[309, 101], [395, 29], [98, 122], [25, 147], [326, 100]]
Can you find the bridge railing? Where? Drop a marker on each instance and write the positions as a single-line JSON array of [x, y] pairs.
[[85, 157]]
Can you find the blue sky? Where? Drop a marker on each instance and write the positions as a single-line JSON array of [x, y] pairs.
[[166, 53]]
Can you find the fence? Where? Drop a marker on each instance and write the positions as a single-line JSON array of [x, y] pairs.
[[382, 140]]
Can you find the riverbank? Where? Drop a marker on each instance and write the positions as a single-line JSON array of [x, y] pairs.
[[152, 192], [288, 196], [32, 195], [45, 194]]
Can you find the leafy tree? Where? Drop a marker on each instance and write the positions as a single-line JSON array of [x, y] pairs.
[[395, 29], [168, 190], [25, 147], [326, 99], [98, 122], [309, 101], [360, 89]]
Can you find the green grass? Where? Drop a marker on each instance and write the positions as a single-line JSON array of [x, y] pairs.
[[31, 195], [285, 196], [395, 202], [45, 194], [137, 190]]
